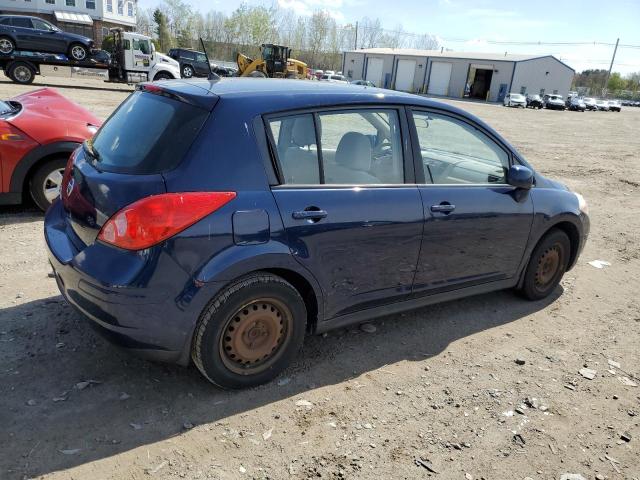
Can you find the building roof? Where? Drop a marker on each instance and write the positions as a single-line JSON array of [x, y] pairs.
[[509, 57]]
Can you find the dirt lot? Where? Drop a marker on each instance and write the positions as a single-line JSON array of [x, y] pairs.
[[439, 384]]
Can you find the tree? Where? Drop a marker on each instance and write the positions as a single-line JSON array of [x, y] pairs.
[[616, 82], [162, 29]]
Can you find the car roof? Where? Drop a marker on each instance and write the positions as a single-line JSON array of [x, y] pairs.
[[258, 96]]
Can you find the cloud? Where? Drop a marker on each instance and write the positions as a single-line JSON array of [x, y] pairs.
[[307, 7]]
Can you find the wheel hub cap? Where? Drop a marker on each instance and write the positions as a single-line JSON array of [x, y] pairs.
[[254, 335], [51, 186], [548, 266]]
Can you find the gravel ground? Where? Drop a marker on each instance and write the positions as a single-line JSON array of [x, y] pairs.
[[487, 387]]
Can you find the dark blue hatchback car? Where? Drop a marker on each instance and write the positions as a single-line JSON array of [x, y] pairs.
[[219, 221]]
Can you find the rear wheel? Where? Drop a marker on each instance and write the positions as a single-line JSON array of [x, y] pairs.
[[78, 52], [547, 265], [21, 72], [6, 45], [187, 71], [249, 332], [46, 181]]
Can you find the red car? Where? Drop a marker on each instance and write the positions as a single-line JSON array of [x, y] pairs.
[[38, 132]]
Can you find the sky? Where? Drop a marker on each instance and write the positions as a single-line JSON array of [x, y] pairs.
[[468, 25]]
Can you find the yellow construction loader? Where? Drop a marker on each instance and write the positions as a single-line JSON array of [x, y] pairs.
[[274, 63]]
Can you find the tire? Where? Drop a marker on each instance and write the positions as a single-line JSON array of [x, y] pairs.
[[162, 76], [22, 73], [44, 180], [7, 45], [78, 52], [547, 265], [187, 71], [260, 306], [257, 74]]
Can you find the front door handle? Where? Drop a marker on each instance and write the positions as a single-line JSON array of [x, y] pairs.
[[443, 208], [309, 214]]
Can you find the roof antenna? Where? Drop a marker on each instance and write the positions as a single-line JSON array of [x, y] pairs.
[[212, 75]]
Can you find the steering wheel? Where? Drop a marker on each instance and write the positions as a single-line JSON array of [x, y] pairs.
[[383, 148]]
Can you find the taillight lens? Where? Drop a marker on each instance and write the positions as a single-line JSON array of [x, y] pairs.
[[152, 220]]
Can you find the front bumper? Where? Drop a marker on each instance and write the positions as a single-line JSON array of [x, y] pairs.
[[152, 310]]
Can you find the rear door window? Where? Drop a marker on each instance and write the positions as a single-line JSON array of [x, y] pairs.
[[21, 22], [147, 134]]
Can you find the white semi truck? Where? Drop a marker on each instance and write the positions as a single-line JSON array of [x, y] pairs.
[[132, 60]]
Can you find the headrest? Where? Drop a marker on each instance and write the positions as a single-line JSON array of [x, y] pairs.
[[354, 151], [303, 133]]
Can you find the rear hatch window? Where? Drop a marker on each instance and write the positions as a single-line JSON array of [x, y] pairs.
[[149, 133]]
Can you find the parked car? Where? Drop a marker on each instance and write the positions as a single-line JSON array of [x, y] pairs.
[[19, 32], [615, 106], [553, 102], [224, 244], [590, 104], [192, 63], [534, 101], [363, 83], [576, 104], [602, 105], [514, 100], [334, 78], [38, 132], [224, 71]]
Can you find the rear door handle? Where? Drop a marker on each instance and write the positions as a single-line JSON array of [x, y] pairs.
[[443, 208], [309, 214]]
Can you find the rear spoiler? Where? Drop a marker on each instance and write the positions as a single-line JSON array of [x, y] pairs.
[[181, 91]]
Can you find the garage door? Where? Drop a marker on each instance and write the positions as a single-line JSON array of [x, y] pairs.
[[439, 78], [404, 75], [374, 71]]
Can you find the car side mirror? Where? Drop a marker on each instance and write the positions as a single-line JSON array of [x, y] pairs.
[[520, 176]]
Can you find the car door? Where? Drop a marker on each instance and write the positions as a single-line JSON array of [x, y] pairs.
[[350, 206], [46, 38], [24, 33], [201, 65], [476, 225]]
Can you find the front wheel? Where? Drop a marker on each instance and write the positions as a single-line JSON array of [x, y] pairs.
[[249, 332], [46, 181], [547, 265], [78, 52], [162, 76]]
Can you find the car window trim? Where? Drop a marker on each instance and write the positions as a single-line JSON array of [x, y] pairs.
[[511, 159], [408, 164]]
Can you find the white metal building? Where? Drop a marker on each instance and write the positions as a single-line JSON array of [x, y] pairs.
[[485, 76], [91, 18]]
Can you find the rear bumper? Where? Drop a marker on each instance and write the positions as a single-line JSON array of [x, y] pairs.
[[152, 311]]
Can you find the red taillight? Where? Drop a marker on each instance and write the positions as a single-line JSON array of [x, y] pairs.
[[151, 220]]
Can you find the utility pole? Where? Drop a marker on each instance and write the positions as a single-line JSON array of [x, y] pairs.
[[355, 46], [606, 81]]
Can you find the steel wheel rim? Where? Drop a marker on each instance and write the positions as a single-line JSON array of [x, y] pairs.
[[548, 266], [255, 336], [51, 185], [22, 73], [5, 46], [78, 52]]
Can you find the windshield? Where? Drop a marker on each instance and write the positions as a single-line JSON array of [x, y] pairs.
[[6, 107], [517, 96], [147, 134]]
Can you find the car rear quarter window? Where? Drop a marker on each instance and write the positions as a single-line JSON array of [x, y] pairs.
[[455, 152], [148, 133]]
